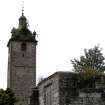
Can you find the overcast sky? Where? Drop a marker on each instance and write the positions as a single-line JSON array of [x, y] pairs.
[[64, 28]]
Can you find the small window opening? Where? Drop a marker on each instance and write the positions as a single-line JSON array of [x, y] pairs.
[[22, 55], [23, 46]]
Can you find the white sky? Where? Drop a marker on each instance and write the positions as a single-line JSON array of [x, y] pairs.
[[64, 28]]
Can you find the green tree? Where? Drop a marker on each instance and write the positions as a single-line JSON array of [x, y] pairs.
[[91, 63], [7, 97]]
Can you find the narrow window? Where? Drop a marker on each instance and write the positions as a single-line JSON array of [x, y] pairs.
[[22, 55], [23, 46]]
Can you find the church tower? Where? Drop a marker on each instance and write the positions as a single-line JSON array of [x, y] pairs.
[[22, 60]]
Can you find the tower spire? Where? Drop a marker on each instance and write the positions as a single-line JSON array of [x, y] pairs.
[[22, 19], [23, 8]]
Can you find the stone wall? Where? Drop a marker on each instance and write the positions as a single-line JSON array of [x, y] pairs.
[[68, 87], [22, 69], [64, 88], [88, 99], [49, 91]]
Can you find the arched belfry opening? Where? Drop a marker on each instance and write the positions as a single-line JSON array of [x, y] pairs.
[[23, 46]]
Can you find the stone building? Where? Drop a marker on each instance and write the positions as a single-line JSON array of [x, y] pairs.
[[57, 88], [60, 88], [64, 88], [22, 61]]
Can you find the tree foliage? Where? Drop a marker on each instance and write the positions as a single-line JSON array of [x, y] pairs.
[[7, 97], [91, 63]]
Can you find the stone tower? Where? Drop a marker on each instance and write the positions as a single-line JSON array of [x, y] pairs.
[[22, 61]]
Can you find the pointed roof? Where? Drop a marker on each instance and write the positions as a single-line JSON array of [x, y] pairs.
[[22, 33], [23, 20]]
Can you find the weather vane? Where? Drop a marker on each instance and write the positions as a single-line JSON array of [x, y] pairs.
[[22, 8]]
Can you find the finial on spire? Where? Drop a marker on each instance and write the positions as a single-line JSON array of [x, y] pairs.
[[23, 8]]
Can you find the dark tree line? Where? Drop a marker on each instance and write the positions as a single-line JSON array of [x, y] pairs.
[[7, 97]]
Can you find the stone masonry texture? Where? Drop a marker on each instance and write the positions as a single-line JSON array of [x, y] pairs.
[[21, 69], [63, 88]]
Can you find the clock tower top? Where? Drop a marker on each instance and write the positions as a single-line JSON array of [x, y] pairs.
[[22, 33]]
